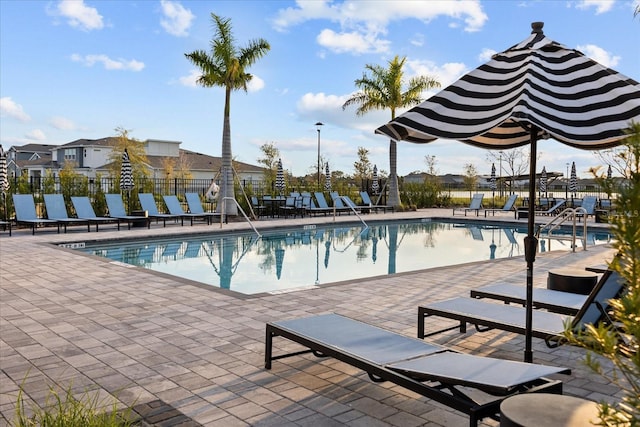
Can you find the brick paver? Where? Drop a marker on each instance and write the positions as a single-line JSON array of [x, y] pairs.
[[68, 318]]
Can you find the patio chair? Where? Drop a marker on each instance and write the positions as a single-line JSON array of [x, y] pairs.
[[342, 203], [546, 299], [546, 325], [454, 379], [589, 205], [6, 225], [25, 208], [195, 207], [148, 203], [366, 201], [508, 206], [175, 208], [553, 210], [322, 203], [56, 209], [475, 205], [289, 207], [316, 209], [258, 208], [84, 210], [115, 205]]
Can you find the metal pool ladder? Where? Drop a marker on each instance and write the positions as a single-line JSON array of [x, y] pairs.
[[569, 214]]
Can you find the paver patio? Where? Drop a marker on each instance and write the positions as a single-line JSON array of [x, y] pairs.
[[195, 355]]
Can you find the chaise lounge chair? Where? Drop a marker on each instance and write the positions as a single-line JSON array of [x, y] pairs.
[[322, 204], [366, 201], [117, 210], [553, 210], [25, 208], [545, 299], [428, 369], [587, 207], [508, 206], [148, 203], [475, 205], [546, 325], [84, 210], [195, 207], [173, 204], [56, 209]]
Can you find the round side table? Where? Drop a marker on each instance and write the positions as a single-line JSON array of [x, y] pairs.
[[547, 410], [572, 280]]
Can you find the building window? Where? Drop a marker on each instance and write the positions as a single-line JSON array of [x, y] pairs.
[[70, 154]]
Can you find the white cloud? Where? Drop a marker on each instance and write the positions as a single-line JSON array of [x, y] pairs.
[[108, 63], [80, 15], [353, 42], [445, 74], [8, 107], [600, 55], [486, 55], [417, 40], [177, 20], [191, 79], [255, 84], [361, 23], [601, 6], [36, 135], [62, 123]]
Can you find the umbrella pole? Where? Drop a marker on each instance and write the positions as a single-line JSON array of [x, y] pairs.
[[530, 246]]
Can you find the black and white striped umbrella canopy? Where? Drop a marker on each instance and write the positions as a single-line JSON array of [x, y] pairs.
[[4, 179], [536, 89], [492, 180], [327, 178], [542, 185], [609, 172], [280, 177], [573, 180], [375, 185], [126, 174]]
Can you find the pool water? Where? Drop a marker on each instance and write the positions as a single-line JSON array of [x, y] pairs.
[[286, 260]]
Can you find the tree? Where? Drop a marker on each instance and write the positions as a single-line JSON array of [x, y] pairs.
[[363, 168], [270, 156], [226, 66], [137, 156], [470, 177], [382, 89], [515, 162], [619, 341]]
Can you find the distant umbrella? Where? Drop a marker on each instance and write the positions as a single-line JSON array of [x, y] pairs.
[[126, 177], [543, 181], [375, 186], [492, 181], [609, 172], [327, 178], [4, 181], [279, 261], [280, 177], [573, 180]]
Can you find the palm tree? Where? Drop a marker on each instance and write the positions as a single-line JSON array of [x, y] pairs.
[[382, 90], [226, 66]]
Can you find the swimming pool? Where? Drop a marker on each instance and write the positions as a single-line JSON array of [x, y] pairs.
[[285, 260]]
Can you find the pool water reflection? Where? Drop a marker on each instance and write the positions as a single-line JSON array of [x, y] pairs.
[[284, 260]]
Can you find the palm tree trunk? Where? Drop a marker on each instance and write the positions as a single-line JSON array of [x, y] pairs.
[[227, 189], [394, 192]]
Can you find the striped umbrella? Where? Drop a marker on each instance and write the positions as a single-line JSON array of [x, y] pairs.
[[327, 178], [126, 174], [609, 172], [536, 89], [375, 186], [573, 180], [280, 178], [542, 186], [492, 180], [4, 180]]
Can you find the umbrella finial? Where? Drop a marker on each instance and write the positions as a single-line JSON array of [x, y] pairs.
[[536, 27]]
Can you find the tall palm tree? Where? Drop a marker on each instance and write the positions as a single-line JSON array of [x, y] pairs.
[[226, 66], [383, 89]]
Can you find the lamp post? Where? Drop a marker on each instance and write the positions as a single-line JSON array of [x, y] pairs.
[[318, 124], [500, 159]]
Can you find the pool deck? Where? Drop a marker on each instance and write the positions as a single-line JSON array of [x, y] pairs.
[[83, 322]]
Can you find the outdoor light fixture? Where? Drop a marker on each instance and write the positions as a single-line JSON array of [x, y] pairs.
[[318, 128]]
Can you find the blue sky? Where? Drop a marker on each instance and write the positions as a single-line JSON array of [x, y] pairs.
[[81, 69]]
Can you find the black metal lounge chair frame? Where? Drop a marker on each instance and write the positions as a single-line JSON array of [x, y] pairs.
[[594, 310], [439, 388]]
